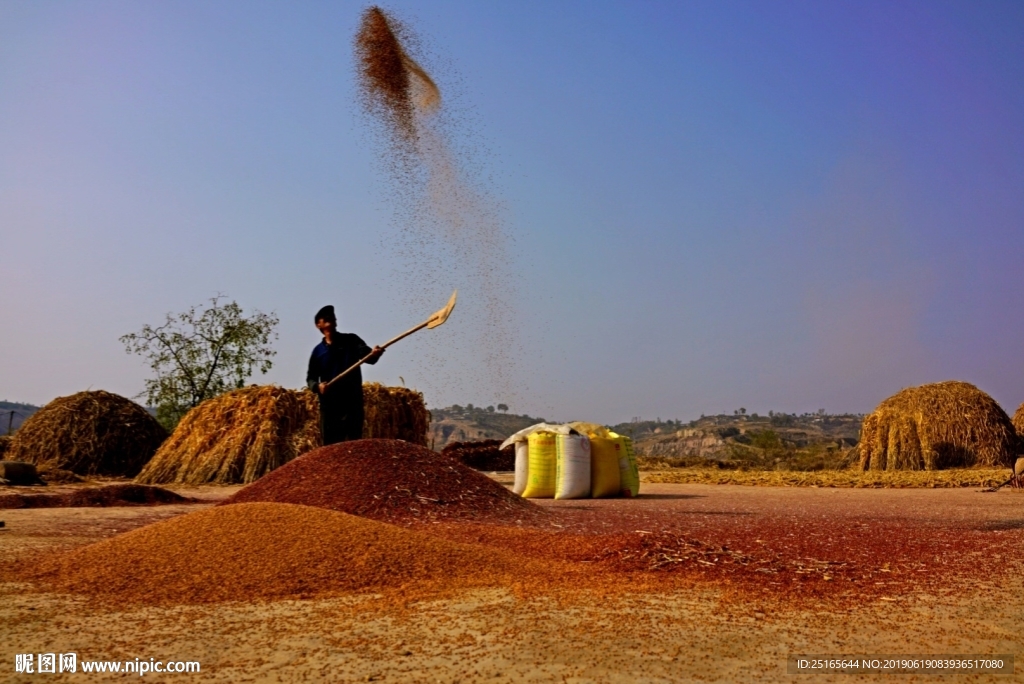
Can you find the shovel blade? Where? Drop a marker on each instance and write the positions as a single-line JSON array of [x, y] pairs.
[[441, 316]]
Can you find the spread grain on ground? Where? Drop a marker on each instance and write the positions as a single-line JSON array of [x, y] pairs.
[[271, 551], [108, 495]]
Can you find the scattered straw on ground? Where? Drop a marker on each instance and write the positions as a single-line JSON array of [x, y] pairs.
[[268, 550], [900, 479], [943, 425], [89, 433], [52, 475]]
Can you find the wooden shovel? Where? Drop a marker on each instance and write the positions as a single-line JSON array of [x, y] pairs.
[[436, 319]]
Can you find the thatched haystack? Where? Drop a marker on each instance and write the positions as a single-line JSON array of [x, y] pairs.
[[237, 437], [395, 413], [5, 444], [1018, 424], [241, 436], [943, 425], [89, 433]]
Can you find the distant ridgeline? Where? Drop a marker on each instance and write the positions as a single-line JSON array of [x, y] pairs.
[[473, 423], [707, 437], [13, 414], [786, 441], [845, 425]]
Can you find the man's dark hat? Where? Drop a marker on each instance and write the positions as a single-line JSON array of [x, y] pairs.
[[325, 314]]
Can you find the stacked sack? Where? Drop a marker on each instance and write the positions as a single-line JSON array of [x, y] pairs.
[[573, 461]]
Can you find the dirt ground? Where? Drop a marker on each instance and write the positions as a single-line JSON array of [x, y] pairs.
[[967, 548]]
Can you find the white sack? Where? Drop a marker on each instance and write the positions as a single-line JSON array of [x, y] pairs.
[[522, 467]]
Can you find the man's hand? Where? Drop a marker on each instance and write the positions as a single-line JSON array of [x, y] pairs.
[[323, 388], [377, 351]]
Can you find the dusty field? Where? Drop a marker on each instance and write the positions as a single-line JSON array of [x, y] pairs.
[[805, 571]]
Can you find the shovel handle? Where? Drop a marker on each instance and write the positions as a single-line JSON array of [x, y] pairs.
[[363, 360]]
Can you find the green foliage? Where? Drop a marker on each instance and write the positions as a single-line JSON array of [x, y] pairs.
[[201, 353], [768, 440]]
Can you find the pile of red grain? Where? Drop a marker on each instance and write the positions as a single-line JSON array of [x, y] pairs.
[[392, 481], [268, 551], [483, 455], [109, 495]]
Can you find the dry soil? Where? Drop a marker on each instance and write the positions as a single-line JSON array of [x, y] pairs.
[[708, 630]]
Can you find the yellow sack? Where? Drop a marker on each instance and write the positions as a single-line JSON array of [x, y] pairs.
[[628, 471], [605, 478], [590, 429], [540, 479]]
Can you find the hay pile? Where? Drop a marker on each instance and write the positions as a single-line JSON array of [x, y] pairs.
[[241, 436], [89, 433], [5, 444], [395, 413], [1018, 423], [943, 425]]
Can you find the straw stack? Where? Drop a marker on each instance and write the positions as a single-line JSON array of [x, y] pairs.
[[237, 437], [241, 436], [942, 425], [395, 413], [88, 433], [1018, 423]]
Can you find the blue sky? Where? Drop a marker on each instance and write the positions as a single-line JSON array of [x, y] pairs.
[[774, 205]]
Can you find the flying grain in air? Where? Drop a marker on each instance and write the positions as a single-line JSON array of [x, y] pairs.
[[449, 230]]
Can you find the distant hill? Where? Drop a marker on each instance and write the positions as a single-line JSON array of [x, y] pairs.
[[845, 426], [783, 441], [13, 414], [472, 423], [720, 437]]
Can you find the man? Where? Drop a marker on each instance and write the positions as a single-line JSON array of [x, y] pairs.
[[341, 404]]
